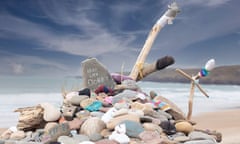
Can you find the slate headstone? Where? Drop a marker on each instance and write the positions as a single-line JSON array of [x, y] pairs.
[[95, 74]]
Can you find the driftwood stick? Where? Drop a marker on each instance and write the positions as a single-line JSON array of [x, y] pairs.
[[192, 79], [190, 102], [28, 108], [145, 50], [201, 89], [184, 74], [158, 65], [217, 135]]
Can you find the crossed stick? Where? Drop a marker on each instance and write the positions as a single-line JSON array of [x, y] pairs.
[[194, 82]]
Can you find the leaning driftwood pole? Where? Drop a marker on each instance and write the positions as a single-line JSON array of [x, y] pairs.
[[167, 18]]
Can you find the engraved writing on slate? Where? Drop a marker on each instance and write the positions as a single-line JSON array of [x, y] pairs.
[[95, 74]]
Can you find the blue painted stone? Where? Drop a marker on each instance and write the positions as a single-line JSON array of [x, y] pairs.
[[133, 129], [95, 106]]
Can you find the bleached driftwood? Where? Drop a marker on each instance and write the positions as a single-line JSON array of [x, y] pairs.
[[156, 66], [167, 18], [30, 118]]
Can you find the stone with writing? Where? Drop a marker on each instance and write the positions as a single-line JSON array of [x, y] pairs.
[[95, 74]]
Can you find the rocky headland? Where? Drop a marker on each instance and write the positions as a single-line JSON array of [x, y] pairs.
[[219, 75]]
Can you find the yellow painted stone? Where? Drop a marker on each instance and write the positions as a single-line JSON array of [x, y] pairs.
[[184, 126]]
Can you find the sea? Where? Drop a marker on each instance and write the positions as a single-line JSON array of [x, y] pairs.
[[19, 91]]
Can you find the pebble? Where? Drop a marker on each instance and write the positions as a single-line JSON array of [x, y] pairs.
[[133, 129], [28, 136], [6, 134], [76, 99], [146, 119], [122, 105], [95, 137], [18, 135], [126, 94], [167, 115], [51, 113], [196, 135], [81, 138], [86, 102], [109, 115], [120, 138], [69, 95], [106, 141], [82, 114], [181, 138], [150, 137], [184, 127], [152, 127], [139, 113], [92, 125], [67, 140], [117, 120], [49, 126], [168, 127], [200, 142], [120, 112], [146, 108], [87, 142], [97, 114], [106, 133]]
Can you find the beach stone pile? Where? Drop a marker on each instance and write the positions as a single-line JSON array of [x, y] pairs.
[[109, 109]]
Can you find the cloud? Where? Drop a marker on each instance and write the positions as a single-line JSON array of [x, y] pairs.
[[24, 65], [198, 25], [114, 32], [67, 13], [93, 40], [95, 37], [17, 68], [209, 3]]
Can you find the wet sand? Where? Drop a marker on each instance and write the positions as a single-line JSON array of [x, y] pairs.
[[225, 121], [2, 130]]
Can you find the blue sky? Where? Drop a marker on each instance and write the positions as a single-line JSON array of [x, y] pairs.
[[53, 37]]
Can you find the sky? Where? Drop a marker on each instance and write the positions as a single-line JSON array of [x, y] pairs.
[[53, 37]]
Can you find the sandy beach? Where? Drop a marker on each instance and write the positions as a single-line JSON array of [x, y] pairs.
[[226, 122]]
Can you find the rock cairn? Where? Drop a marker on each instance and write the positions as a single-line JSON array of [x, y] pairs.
[[109, 109]]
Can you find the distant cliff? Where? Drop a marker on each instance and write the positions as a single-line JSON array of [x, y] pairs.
[[219, 75]]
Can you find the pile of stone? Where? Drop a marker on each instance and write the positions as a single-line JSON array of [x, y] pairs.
[[109, 109]]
